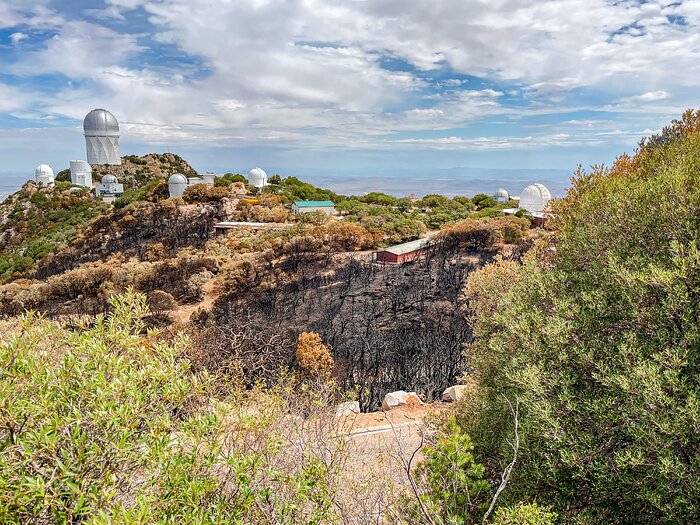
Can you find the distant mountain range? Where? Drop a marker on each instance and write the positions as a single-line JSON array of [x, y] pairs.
[[398, 181]]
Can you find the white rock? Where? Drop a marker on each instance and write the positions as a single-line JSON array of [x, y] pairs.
[[454, 393], [348, 408], [400, 398]]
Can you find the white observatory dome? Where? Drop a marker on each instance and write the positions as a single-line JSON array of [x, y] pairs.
[[109, 179], [535, 198], [102, 137], [257, 177], [501, 195], [177, 184], [44, 175]]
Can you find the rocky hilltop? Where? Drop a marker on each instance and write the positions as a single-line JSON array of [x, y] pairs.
[[136, 171]]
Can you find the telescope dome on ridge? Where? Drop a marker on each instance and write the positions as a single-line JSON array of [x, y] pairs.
[[44, 175], [102, 137], [501, 195], [257, 177], [177, 184], [535, 198]]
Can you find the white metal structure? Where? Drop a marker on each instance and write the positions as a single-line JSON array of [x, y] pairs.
[[501, 195], [177, 184], [257, 177], [535, 198], [109, 186], [44, 175], [102, 137], [81, 173]]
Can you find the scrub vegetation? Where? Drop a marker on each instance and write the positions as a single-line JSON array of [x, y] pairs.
[[578, 346]]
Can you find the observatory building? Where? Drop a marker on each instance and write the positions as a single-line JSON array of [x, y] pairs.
[[44, 175], [257, 177], [102, 137], [534, 200], [81, 173], [178, 183], [109, 188], [501, 195]]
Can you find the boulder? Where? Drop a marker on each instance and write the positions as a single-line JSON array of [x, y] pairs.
[[400, 398], [348, 408], [454, 393]]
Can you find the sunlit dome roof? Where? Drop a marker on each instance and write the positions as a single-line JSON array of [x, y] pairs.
[[257, 177], [109, 179], [501, 192], [44, 170], [177, 178], [535, 198], [100, 122]]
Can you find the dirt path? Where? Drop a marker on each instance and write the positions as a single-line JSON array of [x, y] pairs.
[[184, 312]]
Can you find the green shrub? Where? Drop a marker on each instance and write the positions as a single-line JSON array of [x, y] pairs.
[[598, 338], [105, 423], [525, 514], [451, 484]]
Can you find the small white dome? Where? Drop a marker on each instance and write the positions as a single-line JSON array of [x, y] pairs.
[[109, 179], [100, 122], [501, 195], [257, 177], [44, 174], [177, 184], [535, 198]]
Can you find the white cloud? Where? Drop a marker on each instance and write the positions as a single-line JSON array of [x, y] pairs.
[[651, 96], [311, 72], [17, 37]]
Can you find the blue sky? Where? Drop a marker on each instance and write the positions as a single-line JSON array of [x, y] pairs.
[[343, 87]]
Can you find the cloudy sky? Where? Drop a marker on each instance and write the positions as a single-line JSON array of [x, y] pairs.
[[341, 86]]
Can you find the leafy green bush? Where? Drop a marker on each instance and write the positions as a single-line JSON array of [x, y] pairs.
[[450, 483], [525, 514], [599, 340], [105, 423]]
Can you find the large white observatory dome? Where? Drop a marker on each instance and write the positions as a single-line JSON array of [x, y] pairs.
[[177, 184], [102, 137], [257, 177], [501, 195], [44, 175], [535, 198]]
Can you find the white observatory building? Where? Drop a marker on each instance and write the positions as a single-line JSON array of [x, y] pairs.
[[177, 184], [109, 188], [535, 198], [44, 175], [81, 173], [501, 195], [257, 177], [102, 137]]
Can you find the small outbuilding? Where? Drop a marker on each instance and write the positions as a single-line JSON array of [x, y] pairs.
[[300, 207], [408, 251]]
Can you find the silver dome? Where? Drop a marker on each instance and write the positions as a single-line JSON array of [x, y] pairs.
[[109, 179], [177, 184], [100, 122]]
